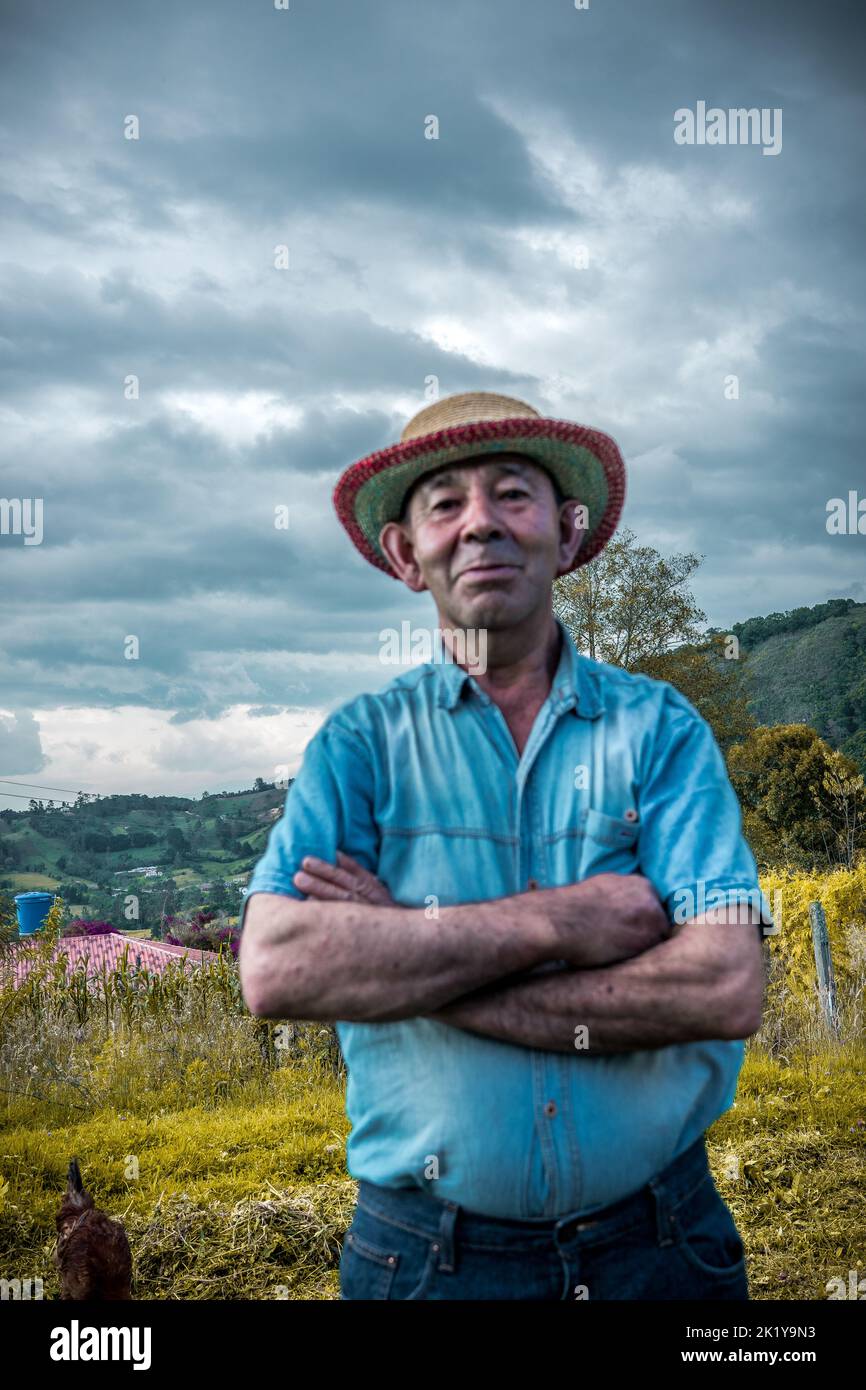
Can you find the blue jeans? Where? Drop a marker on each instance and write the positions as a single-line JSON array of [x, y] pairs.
[[675, 1238]]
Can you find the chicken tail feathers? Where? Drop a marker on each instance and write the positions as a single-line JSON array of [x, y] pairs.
[[73, 1179]]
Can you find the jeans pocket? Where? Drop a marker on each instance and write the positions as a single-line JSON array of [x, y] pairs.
[[366, 1271], [705, 1233], [384, 1261]]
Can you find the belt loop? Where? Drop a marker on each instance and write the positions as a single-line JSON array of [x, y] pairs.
[[446, 1237], [660, 1198]]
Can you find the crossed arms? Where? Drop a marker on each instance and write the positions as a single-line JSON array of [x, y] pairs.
[[625, 976]]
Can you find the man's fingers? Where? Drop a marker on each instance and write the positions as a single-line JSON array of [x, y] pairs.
[[320, 888], [347, 872], [320, 868], [337, 882]]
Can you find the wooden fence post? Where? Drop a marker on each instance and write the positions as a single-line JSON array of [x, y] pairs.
[[823, 963]]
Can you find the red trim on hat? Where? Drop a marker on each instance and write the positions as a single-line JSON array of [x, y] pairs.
[[605, 449]]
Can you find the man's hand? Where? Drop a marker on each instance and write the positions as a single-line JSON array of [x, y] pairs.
[[706, 981], [605, 918], [348, 881]]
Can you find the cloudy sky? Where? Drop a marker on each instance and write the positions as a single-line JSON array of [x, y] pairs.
[[554, 243]]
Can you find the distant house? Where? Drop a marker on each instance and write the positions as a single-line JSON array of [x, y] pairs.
[[106, 951]]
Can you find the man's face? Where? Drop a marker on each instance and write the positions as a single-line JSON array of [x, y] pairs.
[[487, 538]]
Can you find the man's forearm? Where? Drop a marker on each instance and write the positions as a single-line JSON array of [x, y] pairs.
[[353, 961], [687, 988], [327, 959]]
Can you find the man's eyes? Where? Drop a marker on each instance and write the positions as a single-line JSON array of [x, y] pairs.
[[507, 493]]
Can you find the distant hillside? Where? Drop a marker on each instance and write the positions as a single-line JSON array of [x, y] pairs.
[[809, 667], [217, 837], [806, 666]]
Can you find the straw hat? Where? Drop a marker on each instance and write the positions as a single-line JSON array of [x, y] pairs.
[[585, 463]]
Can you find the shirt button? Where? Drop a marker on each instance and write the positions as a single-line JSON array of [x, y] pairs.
[[550, 1108]]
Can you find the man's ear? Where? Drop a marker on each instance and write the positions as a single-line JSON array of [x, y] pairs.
[[572, 532], [396, 541]]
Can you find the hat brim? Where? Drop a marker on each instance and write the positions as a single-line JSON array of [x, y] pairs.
[[586, 464]]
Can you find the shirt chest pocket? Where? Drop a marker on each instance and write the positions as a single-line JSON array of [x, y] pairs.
[[608, 844]]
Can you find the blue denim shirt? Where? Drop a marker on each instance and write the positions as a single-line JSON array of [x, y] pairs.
[[421, 783]]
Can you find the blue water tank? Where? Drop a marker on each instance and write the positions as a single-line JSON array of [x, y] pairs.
[[32, 909]]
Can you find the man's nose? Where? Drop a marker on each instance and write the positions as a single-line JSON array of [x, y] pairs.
[[479, 518]]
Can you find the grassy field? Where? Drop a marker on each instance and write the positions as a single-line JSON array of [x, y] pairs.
[[798, 1134], [29, 883], [219, 1139], [250, 1198], [247, 1199]]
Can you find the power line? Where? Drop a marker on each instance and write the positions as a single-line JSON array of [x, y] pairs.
[[40, 786]]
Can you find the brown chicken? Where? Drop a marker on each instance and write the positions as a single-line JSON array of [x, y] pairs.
[[93, 1255]]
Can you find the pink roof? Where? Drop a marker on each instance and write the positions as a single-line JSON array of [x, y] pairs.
[[108, 951]]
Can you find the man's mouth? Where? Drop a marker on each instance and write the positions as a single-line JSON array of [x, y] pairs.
[[490, 571]]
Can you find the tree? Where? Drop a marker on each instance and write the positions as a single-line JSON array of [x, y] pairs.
[[842, 799], [178, 848], [715, 684], [97, 841], [217, 895], [168, 907], [632, 607], [855, 748], [73, 892], [225, 833], [803, 803], [629, 603], [10, 854]]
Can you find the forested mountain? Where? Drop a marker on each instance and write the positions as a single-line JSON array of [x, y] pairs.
[[808, 666]]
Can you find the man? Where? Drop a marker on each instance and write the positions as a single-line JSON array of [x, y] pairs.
[[519, 893]]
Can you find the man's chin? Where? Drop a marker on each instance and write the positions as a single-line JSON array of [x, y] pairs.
[[491, 610]]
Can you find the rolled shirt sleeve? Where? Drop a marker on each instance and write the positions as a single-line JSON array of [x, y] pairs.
[[691, 845], [328, 807]]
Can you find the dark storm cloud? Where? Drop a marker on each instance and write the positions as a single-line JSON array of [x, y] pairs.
[[69, 330], [409, 258]]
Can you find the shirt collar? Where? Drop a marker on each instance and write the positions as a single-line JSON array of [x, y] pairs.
[[575, 685]]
